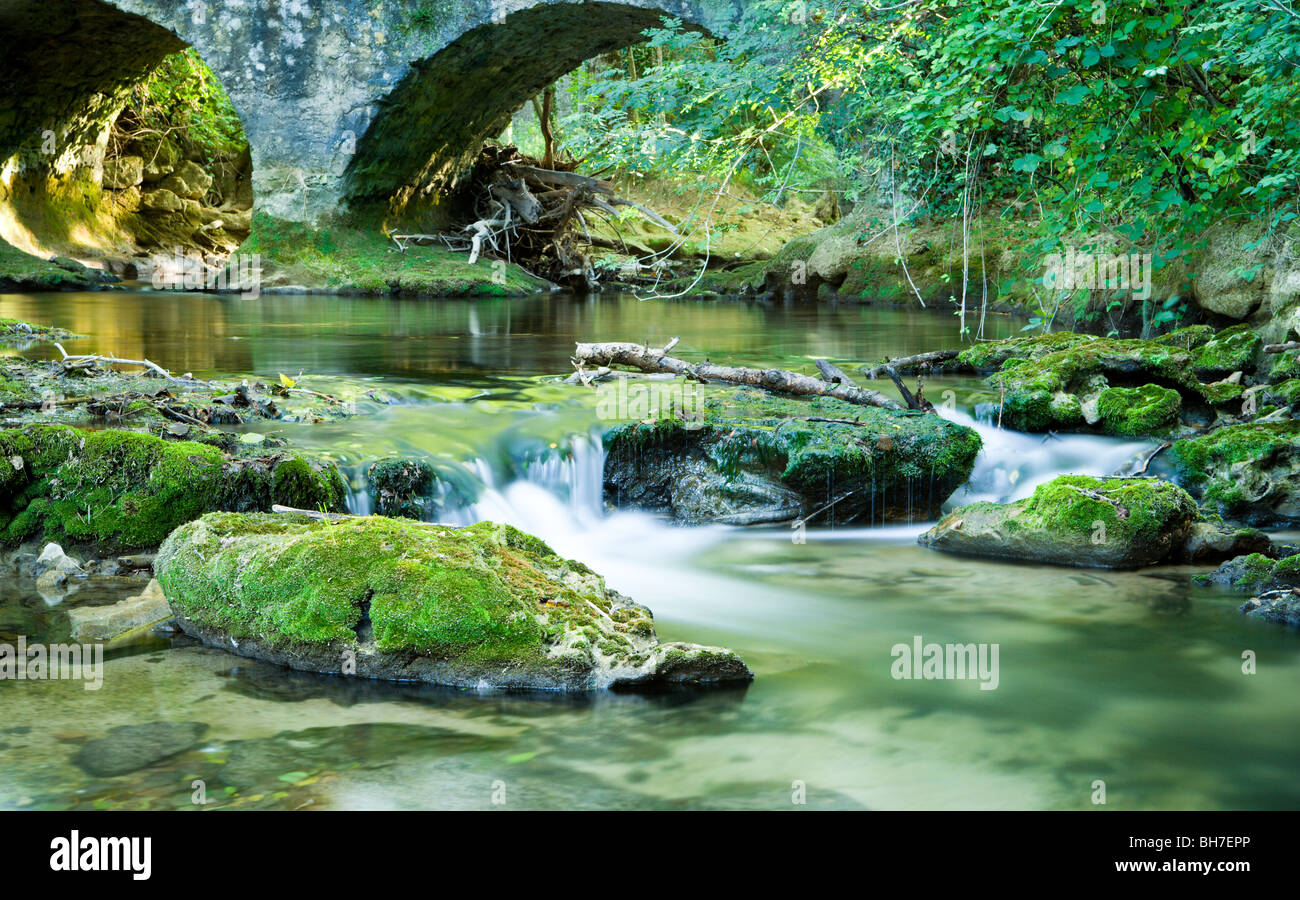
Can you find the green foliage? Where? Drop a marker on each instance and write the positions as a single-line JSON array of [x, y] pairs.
[[183, 93]]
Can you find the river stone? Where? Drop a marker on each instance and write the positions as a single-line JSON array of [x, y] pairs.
[[402, 487], [1281, 607], [1249, 473], [128, 748], [485, 606], [103, 623], [1256, 573], [1211, 543], [123, 172], [746, 456], [1066, 381], [1075, 520]]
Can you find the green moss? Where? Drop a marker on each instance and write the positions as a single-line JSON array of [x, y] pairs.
[[1286, 366], [361, 259], [1133, 510], [1188, 338], [486, 592], [1231, 350], [1287, 392], [1206, 464], [21, 271], [1138, 412], [820, 447], [125, 489]]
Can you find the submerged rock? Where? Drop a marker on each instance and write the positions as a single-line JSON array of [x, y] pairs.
[[1248, 473], [1210, 542], [484, 606], [104, 623], [750, 457], [127, 748], [121, 489], [1075, 520]]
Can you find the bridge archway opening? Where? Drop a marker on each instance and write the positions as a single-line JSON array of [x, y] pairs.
[[432, 125], [118, 146]]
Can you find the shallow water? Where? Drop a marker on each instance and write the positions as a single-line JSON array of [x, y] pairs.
[[1132, 679]]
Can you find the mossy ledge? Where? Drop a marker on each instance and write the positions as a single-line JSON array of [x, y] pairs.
[[119, 490], [1076, 520], [749, 457], [1248, 473], [485, 606]]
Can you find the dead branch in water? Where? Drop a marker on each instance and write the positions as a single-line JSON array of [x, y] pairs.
[[115, 361], [904, 363], [651, 360]]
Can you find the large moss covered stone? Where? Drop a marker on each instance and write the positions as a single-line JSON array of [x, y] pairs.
[[1248, 473], [128, 490], [483, 606], [750, 457], [1076, 520], [1065, 381]]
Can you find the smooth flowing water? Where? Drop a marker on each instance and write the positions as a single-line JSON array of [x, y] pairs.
[[1131, 679]]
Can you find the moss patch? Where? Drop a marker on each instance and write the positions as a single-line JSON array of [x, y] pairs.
[[123, 489]]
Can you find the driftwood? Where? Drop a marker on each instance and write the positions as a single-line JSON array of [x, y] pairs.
[[832, 374], [1282, 348], [537, 216], [904, 363], [648, 359]]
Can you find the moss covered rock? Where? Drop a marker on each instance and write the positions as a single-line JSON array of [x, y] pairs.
[[1140, 411], [1248, 473], [1076, 520], [1057, 381], [483, 606], [1231, 350], [749, 457], [1255, 572], [122, 489], [402, 488]]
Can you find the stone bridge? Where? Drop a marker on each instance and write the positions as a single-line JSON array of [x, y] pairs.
[[344, 103]]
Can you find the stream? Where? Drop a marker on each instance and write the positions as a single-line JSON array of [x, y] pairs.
[[1133, 679]]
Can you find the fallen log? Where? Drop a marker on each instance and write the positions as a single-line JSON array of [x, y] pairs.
[[904, 363], [648, 359], [832, 374], [1282, 348]]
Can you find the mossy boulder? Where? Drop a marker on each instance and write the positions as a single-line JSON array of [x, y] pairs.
[[1248, 473], [482, 606], [1255, 572], [1231, 350], [402, 488], [749, 457], [126, 490], [1057, 382], [1138, 412], [1075, 520]]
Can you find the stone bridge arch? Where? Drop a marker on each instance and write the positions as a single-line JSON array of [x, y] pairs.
[[347, 101]]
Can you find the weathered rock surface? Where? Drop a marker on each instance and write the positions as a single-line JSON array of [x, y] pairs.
[[1256, 573], [1281, 607], [1076, 520], [750, 457], [402, 488], [1249, 473], [485, 606], [104, 623]]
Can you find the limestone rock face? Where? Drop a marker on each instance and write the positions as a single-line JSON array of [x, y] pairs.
[[485, 606], [1075, 520], [123, 172], [1250, 473], [161, 200], [189, 181]]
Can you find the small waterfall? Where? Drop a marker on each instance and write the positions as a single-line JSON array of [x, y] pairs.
[[1013, 463]]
